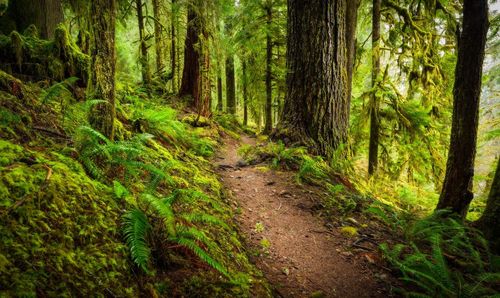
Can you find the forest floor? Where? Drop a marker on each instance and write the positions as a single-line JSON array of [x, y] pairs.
[[299, 252]]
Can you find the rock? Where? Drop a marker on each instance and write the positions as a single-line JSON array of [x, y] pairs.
[[241, 163]]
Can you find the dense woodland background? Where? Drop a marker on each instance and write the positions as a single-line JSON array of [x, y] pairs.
[[111, 112]]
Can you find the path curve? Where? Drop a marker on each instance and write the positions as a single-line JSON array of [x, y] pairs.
[[298, 255]]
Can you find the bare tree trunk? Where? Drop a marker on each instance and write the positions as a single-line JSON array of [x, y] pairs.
[[230, 86], [457, 187], [268, 125], [245, 94], [220, 106], [374, 115], [103, 55], [489, 222], [158, 36], [316, 110], [146, 73]]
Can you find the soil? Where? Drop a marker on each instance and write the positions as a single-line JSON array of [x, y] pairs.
[[300, 253]]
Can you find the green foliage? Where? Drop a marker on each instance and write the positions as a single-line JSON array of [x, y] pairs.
[[444, 259], [135, 229]]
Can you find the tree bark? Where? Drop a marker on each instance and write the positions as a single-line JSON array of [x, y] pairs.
[[146, 73], [245, 94], [158, 36], [316, 109], [489, 222], [350, 37], [44, 14], [374, 107], [457, 187], [103, 59], [268, 125]]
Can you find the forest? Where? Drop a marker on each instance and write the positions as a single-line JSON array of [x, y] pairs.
[[249, 148]]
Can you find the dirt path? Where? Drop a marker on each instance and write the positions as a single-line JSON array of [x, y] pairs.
[[298, 254]]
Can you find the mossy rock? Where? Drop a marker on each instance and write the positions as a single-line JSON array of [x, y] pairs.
[[196, 121]]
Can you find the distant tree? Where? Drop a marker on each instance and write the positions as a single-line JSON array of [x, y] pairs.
[[268, 120], [44, 14], [456, 193], [230, 76], [103, 60], [316, 109], [173, 51]]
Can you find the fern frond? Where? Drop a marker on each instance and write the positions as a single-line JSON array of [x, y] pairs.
[[135, 230], [204, 218], [203, 255]]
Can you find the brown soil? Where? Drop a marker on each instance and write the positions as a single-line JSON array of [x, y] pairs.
[[299, 252]]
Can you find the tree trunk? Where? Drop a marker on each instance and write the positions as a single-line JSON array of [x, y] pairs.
[[489, 222], [44, 14], [316, 110], [230, 85], [374, 107], [103, 56], [146, 74], [173, 51], [457, 187], [195, 58], [245, 94], [220, 106], [158, 36], [350, 37], [268, 125]]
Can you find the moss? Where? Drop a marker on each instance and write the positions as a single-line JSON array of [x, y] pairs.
[[57, 229]]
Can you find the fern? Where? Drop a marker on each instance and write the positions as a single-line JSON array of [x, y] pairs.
[[135, 229]]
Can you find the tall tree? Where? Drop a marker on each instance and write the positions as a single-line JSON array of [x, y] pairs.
[[230, 85], [268, 123], [44, 14], [195, 82], [489, 222], [316, 109], [457, 187], [146, 73], [219, 88], [245, 93], [103, 59], [158, 35], [173, 51], [374, 109]]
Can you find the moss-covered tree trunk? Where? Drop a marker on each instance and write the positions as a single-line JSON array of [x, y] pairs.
[[219, 89], [103, 58], [457, 187], [489, 222], [268, 122], [374, 107], [158, 36], [146, 72], [173, 51], [44, 14], [316, 109]]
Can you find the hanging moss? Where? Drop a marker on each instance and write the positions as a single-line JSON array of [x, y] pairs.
[[30, 58]]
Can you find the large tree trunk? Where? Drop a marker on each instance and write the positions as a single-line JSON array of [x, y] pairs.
[[268, 125], [230, 85], [316, 110], [350, 37], [158, 36], [245, 94], [457, 187], [489, 222], [103, 55], [196, 57], [44, 14], [374, 112], [146, 73]]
